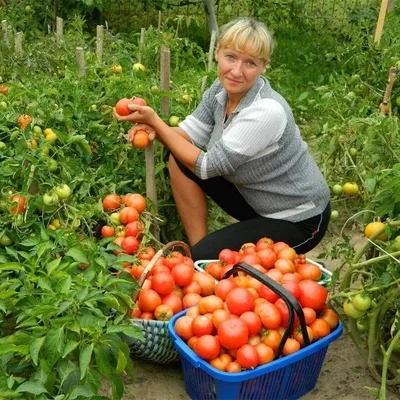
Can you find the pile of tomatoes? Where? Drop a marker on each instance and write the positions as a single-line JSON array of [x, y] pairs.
[[240, 325], [171, 286], [125, 223]]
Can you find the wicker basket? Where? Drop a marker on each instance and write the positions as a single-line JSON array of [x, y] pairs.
[[157, 346]]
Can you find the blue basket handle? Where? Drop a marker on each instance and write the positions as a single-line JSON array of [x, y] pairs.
[[288, 298]]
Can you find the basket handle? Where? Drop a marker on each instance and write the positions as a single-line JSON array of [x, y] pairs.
[[288, 298], [156, 257]]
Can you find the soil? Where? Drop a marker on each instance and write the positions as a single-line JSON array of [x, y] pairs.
[[344, 375]]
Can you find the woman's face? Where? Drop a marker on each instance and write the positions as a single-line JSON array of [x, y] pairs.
[[238, 71]]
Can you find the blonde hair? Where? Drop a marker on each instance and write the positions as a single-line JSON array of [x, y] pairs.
[[247, 35]]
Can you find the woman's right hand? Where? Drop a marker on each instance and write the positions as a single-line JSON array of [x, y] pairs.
[[140, 127]]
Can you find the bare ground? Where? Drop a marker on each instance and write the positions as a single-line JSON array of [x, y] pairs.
[[344, 375]]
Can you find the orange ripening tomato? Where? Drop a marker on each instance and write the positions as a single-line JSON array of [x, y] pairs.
[[183, 327], [221, 362], [122, 107], [128, 215], [291, 346], [24, 121], [107, 231], [309, 271], [141, 139], [111, 202], [202, 325], [182, 274], [149, 300], [20, 207], [163, 312], [174, 301], [137, 201]]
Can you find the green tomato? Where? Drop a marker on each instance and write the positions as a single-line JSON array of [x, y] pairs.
[[354, 79], [362, 325], [53, 165], [50, 199], [114, 217], [3, 105], [397, 242], [154, 89], [353, 151], [2, 145], [334, 215], [351, 311], [361, 302], [5, 240], [337, 189], [173, 120], [398, 101], [186, 98], [63, 191], [138, 67]]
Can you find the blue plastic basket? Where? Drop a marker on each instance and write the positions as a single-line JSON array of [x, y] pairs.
[[287, 378]]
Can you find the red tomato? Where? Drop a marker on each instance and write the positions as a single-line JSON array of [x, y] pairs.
[[190, 300], [122, 106], [111, 202], [269, 315], [251, 259], [228, 256], [312, 295], [137, 270], [182, 274], [173, 259], [309, 271], [309, 315], [298, 335], [163, 283], [275, 274], [240, 300], [192, 341], [160, 268], [247, 357], [219, 316], [253, 322], [107, 231], [128, 214], [136, 201], [247, 248], [163, 313], [202, 325], [145, 253], [129, 244], [292, 288], [147, 315], [148, 300], [267, 294], [223, 287], [183, 327], [233, 333], [284, 311], [133, 228], [288, 253], [264, 243], [174, 301], [278, 246], [267, 257], [207, 347], [292, 277], [188, 261]]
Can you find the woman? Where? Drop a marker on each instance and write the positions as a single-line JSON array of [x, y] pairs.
[[242, 147]]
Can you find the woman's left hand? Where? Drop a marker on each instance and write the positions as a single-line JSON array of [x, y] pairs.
[[140, 115]]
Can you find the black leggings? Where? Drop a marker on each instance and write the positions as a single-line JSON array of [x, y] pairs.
[[302, 236]]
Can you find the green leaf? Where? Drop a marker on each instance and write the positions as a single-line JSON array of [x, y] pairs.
[[53, 265], [70, 346], [42, 248], [370, 184], [110, 301], [44, 283], [53, 346], [85, 357], [33, 387], [77, 254], [117, 385], [7, 294], [11, 266], [303, 96], [121, 364], [105, 361], [81, 391], [64, 285], [36, 345], [30, 242], [64, 369], [128, 330]]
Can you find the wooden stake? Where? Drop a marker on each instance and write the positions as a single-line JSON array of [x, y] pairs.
[[18, 44], [59, 29], [210, 59], [384, 107], [159, 20], [80, 61], [4, 29], [381, 21], [99, 43], [141, 43]]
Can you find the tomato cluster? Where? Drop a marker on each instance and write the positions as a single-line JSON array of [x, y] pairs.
[[171, 286], [125, 222], [241, 324]]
